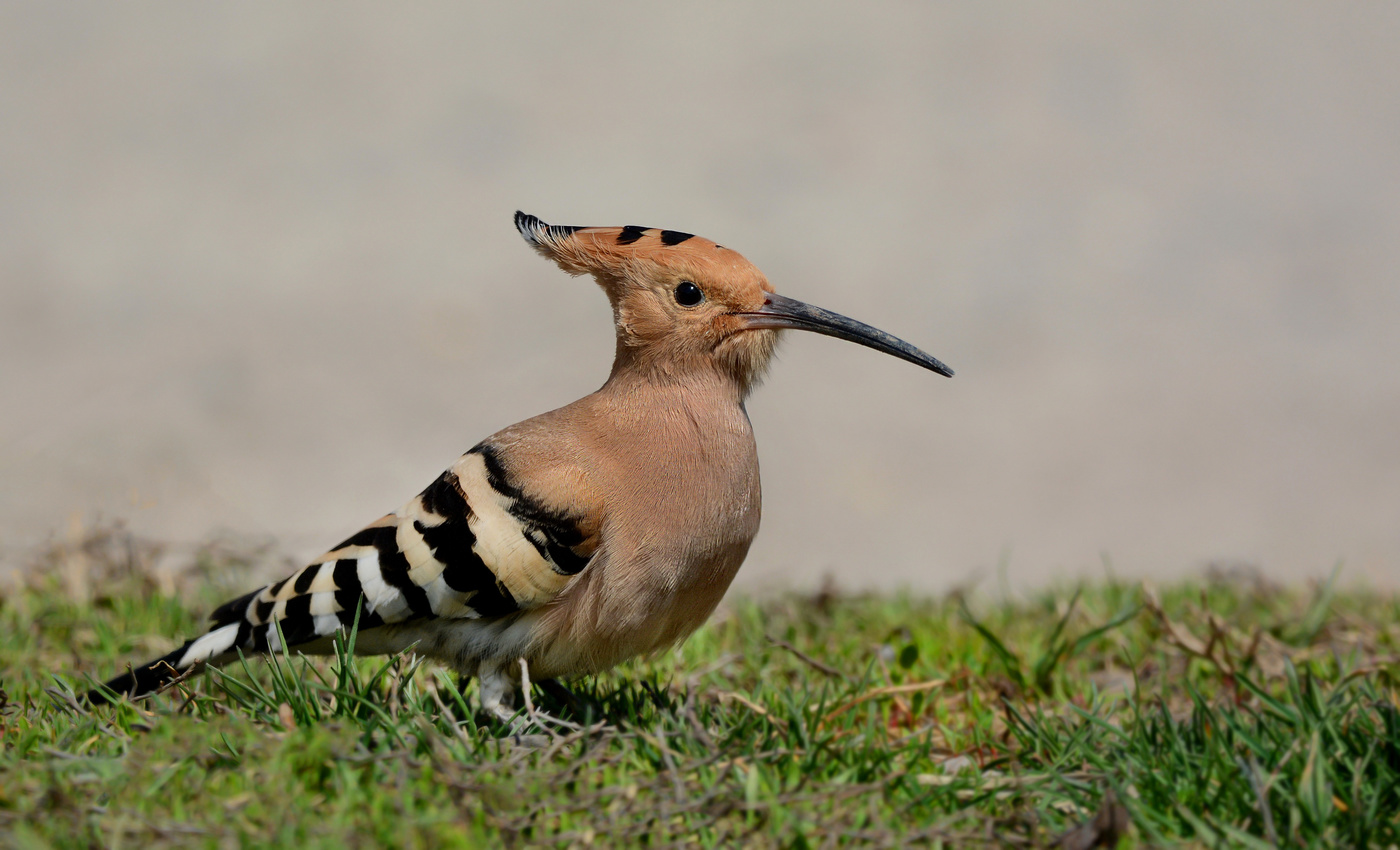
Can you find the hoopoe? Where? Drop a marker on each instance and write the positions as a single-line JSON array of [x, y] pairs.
[[606, 529]]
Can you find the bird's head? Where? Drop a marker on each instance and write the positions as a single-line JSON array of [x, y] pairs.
[[683, 303]]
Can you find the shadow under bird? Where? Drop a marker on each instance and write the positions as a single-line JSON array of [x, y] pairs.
[[608, 528]]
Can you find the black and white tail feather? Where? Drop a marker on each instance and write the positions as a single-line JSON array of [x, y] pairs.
[[449, 571]]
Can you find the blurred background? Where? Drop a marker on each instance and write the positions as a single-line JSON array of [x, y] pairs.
[[258, 273]]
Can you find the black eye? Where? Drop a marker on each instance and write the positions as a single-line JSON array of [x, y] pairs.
[[688, 294]]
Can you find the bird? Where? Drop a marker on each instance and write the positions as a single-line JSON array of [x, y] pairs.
[[567, 543]]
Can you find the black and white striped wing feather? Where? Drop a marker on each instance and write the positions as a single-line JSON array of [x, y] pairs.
[[470, 546]]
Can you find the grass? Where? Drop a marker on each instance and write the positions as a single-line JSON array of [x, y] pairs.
[[1224, 712]]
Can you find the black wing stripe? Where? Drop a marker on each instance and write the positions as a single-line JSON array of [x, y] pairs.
[[393, 568], [464, 571], [257, 637], [245, 634], [297, 624], [368, 619], [348, 594], [305, 577], [346, 576], [444, 498], [363, 537], [559, 530], [233, 611], [452, 541], [565, 560]]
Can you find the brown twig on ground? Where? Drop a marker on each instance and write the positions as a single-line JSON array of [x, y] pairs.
[[809, 660], [1215, 649], [888, 690], [730, 696]]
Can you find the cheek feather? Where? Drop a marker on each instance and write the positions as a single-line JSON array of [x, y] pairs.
[[746, 355]]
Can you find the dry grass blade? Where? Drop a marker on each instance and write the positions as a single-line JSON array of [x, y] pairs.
[[730, 696], [820, 667], [877, 693]]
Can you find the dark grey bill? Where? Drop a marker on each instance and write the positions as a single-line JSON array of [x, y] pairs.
[[780, 311]]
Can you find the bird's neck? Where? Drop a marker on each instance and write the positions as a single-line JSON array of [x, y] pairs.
[[636, 375]]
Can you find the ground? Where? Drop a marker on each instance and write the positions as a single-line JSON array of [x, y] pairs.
[[1220, 712]]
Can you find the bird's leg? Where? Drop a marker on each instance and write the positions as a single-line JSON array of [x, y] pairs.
[[497, 694], [497, 688], [497, 700], [540, 718]]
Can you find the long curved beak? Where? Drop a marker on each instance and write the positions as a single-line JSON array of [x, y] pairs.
[[779, 311]]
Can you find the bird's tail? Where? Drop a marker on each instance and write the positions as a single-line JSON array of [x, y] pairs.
[[145, 678], [364, 583]]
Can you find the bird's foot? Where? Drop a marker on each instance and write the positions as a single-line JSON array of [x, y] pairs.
[[497, 694], [521, 722], [497, 689]]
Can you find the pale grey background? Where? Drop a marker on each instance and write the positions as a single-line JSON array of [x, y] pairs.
[[257, 270]]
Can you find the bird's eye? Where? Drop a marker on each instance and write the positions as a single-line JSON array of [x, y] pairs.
[[688, 294]]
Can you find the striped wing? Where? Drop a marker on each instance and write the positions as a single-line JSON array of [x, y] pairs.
[[471, 545]]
